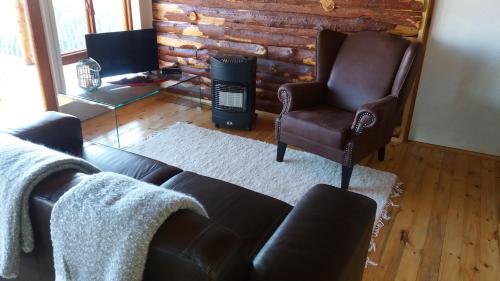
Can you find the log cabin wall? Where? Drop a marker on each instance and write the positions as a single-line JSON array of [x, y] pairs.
[[281, 33]]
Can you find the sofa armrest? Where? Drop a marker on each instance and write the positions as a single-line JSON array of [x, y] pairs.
[[296, 96], [372, 114], [55, 130], [191, 247], [325, 237]]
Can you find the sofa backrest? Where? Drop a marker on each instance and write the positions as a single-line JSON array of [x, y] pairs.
[[54, 130]]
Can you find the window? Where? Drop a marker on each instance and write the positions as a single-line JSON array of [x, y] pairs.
[[107, 9], [74, 19], [71, 25]]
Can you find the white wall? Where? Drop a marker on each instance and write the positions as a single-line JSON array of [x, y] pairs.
[[458, 103]]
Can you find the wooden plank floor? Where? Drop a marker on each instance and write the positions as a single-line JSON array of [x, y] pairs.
[[447, 227]]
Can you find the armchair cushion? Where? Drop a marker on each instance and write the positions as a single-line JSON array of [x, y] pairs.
[[295, 96], [323, 124]]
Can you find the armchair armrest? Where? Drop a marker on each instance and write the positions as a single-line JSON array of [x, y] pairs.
[[374, 113], [296, 96], [55, 130], [324, 237]]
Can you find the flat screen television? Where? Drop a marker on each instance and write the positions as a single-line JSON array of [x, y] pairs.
[[124, 52]]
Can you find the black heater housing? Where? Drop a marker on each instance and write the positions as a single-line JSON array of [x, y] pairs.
[[233, 91]]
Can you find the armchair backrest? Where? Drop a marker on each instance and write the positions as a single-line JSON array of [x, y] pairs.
[[362, 67]]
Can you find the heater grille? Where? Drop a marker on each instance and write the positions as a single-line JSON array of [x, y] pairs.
[[233, 60], [229, 96], [233, 90]]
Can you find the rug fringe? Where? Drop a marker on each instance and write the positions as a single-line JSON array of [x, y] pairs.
[[397, 191], [369, 262]]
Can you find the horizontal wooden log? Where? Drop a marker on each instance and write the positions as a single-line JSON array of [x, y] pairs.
[[177, 52], [188, 46], [261, 83], [187, 69], [265, 89], [286, 70], [192, 62], [264, 77], [185, 57], [292, 55], [195, 71], [407, 5], [237, 35], [347, 25], [297, 31], [191, 42], [275, 78], [346, 20], [302, 72], [376, 12], [312, 6], [268, 89]]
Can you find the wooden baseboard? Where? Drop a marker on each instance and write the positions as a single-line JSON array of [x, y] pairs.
[[473, 153]]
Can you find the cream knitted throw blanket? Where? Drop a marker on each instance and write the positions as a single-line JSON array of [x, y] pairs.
[[101, 228], [22, 166]]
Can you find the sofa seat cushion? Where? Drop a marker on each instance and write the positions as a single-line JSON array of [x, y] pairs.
[[110, 159], [324, 125], [253, 216]]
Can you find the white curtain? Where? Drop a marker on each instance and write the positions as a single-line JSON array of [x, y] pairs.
[[49, 25]]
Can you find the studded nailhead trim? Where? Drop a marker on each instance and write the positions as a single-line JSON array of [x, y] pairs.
[[348, 154], [283, 96], [364, 120]]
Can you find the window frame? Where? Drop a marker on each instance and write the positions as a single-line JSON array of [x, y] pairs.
[[72, 57]]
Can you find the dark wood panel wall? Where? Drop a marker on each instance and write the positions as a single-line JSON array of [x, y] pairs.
[[281, 33]]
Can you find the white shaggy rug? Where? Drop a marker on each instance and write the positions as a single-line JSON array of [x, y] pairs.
[[252, 164]]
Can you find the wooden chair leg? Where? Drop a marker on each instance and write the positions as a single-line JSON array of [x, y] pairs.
[[381, 154], [281, 151], [346, 177]]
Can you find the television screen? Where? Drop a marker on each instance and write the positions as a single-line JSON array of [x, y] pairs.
[[124, 52]]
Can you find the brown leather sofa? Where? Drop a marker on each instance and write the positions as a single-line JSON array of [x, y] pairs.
[[353, 107], [248, 236]]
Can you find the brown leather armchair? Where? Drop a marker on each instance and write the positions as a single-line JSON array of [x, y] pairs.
[[351, 110]]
